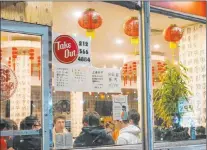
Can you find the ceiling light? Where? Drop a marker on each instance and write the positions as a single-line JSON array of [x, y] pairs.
[[104, 66], [77, 14], [119, 41], [156, 46]]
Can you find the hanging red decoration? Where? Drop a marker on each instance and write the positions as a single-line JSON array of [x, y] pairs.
[[39, 66], [31, 54], [125, 74], [173, 34], [9, 62], [90, 20], [130, 75], [134, 67], [131, 28], [153, 75], [0, 54], [14, 56]]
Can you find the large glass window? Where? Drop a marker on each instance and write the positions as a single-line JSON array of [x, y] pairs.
[[20, 102], [113, 46], [179, 80]]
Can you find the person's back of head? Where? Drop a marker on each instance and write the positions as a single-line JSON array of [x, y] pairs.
[[92, 119], [133, 117], [11, 125], [28, 123], [3, 124]]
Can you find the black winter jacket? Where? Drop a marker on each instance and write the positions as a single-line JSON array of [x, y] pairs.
[[93, 136]]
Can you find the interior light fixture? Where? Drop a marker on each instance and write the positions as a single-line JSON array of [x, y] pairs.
[[156, 46], [77, 14], [119, 41]]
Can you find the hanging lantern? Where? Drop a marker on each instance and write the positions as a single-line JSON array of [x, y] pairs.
[[31, 54], [9, 62], [39, 66], [173, 34], [14, 56], [131, 28], [90, 20]]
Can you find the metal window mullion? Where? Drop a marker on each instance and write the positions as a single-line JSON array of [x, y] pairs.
[[145, 77]]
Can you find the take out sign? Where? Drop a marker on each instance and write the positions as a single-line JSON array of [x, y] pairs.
[[71, 50]]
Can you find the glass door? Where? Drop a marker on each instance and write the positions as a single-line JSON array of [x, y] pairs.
[[25, 93]]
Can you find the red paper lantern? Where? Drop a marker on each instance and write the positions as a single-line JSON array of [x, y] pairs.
[[131, 28], [90, 20], [14, 56], [173, 34]]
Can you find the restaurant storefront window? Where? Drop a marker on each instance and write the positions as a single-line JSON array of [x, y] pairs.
[[96, 95]]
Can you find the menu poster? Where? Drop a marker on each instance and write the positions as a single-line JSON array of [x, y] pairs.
[[114, 80], [71, 50], [79, 79], [61, 78], [98, 82], [120, 107]]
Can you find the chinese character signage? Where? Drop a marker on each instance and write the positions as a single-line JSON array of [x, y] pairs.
[[68, 50], [120, 107], [87, 79], [20, 102]]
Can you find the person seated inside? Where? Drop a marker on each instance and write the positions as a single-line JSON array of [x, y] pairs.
[[93, 134], [3, 144], [59, 127], [130, 133], [28, 142]]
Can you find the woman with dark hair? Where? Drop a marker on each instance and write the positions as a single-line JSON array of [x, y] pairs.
[[3, 144]]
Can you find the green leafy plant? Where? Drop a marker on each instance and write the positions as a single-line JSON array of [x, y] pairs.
[[174, 86]]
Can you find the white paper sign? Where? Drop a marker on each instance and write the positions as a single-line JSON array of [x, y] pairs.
[[120, 107], [70, 50], [87, 79]]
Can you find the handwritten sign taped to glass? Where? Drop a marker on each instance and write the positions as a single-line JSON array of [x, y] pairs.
[[87, 79]]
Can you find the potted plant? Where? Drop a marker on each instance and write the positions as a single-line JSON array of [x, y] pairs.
[[173, 87]]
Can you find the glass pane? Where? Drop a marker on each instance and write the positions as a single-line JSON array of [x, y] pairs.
[[110, 47], [179, 80], [20, 100]]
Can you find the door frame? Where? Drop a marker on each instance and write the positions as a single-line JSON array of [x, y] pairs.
[[46, 97]]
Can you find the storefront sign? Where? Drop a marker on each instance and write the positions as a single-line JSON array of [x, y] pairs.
[[87, 79], [120, 107], [184, 106], [65, 49], [193, 8], [8, 81], [69, 50]]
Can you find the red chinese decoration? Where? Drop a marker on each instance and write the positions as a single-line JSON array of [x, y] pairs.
[[125, 74], [130, 75], [131, 28], [31, 54], [173, 34], [161, 69], [153, 75], [90, 20], [134, 68], [39, 66], [0, 54], [9, 62], [14, 56]]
